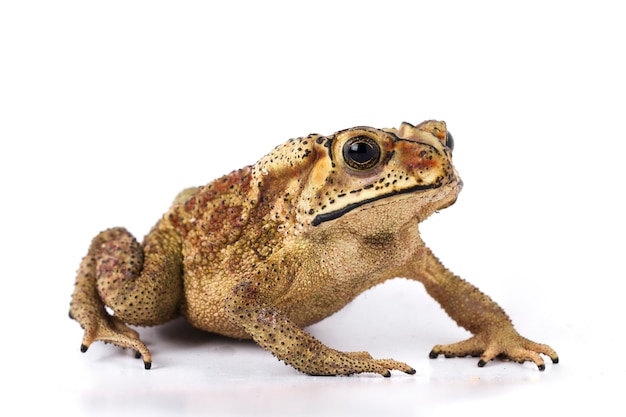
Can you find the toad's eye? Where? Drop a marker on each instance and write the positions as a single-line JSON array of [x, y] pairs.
[[361, 153], [449, 141]]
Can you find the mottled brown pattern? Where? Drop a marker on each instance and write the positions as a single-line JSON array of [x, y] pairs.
[[276, 246]]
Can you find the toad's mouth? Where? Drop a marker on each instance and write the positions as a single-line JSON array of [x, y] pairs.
[[325, 217]]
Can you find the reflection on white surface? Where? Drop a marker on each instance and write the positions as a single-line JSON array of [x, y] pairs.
[[196, 373]]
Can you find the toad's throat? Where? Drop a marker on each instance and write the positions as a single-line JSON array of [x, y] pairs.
[[321, 218]]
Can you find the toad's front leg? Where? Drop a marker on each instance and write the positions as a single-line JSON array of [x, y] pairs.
[[494, 335], [284, 339]]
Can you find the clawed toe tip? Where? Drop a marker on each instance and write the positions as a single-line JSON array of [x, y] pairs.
[[83, 348], [482, 363], [411, 371], [433, 354], [147, 365]]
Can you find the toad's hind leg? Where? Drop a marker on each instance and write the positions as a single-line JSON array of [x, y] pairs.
[[141, 285]]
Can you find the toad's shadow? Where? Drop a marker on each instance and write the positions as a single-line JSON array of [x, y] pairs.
[[180, 334]]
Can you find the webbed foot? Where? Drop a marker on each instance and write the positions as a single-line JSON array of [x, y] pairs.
[[348, 363], [506, 344], [110, 329]]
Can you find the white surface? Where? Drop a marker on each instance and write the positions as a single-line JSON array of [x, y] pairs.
[[108, 110]]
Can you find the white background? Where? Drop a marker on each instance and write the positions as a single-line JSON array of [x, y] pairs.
[[108, 109]]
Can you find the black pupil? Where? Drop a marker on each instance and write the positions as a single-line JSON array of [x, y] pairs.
[[361, 152], [449, 141]]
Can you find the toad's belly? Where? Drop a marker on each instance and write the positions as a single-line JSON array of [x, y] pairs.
[[204, 307]]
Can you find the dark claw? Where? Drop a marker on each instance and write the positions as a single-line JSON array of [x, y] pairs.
[[70, 314], [555, 360], [137, 355], [433, 354], [387, 374], [83, 348], [481, 363], [147, 365], [541, 367], [411, 372]]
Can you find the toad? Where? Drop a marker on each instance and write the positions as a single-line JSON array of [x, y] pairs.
[[274, 247]]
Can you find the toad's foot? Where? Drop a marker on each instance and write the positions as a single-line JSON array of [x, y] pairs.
[[506, 344], [110, 329], [347, 363]]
